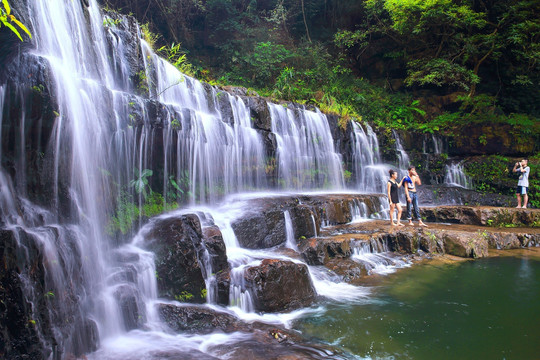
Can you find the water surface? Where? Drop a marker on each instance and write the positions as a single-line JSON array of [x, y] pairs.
[[483, 309]]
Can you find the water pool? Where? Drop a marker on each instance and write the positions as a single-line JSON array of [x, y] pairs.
[[483, 309]]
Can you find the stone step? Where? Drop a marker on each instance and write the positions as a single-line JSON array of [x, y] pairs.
[[482, 215], [459, 240]]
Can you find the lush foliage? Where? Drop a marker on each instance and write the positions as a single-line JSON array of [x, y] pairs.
[[7, 19], [143, 202], [432, 66]]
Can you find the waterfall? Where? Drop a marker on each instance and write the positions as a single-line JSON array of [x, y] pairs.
[[403, 157], [369, 173], [305, 149], [376, 257], [455, 176], [289, 230], [437, 144], [121, 139]]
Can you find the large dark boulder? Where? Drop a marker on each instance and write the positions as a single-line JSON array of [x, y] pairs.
[[198, 319], [40, 292], [177, 245], [279, 285], [260, 230], [131, 306], [259, 113], [20, 330]]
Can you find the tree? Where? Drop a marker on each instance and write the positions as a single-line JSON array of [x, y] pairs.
[[446, 42]]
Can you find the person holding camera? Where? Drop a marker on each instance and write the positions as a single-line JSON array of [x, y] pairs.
[[523, 182]]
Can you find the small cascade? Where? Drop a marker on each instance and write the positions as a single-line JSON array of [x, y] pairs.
[[376, 257], [305, 151], [330, 286], [403, 157], [455, 176], [437, 144], [211, 155], [315, 225], [291, 243], [369, 173], [240, 296], [359, 211]]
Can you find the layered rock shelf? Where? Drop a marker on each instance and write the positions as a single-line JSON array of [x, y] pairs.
[[324, 233]]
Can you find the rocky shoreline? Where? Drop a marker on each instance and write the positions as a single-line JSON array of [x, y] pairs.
[[278, 285]]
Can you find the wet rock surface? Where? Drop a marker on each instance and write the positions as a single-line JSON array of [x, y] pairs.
[[177, 245], [198, 319], [279, 285], [253, 340], [264, 226], [482, 215], [459, 240], [318, 251]]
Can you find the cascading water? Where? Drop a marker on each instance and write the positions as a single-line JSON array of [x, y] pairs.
[[455, 176], [403, 157], [117, 136], [376, 257], [369, 172], [290, 243], [306, 154]]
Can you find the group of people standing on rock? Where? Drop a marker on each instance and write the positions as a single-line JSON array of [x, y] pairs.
[[412, 179], [409, 182]]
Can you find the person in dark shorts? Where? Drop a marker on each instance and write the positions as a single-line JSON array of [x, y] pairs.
[[523, 182], [392, 187]]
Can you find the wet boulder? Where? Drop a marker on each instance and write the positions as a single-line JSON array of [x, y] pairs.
[[177, 245], [349, 270], [262, 120], [279, 285], [318, 251], [213, 241], [401, 241], [304, 221], [261, 229], [198, 319], [131, 306], [465, 244]]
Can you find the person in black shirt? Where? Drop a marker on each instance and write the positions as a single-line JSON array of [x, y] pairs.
[[392, 187]]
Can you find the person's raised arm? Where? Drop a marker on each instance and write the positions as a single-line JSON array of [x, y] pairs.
[[515, 167], [417, 178]]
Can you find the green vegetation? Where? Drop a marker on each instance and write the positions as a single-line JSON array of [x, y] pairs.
[[130, 208], [184, 296], [442, 67], [427, 66], [7, 19]]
